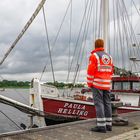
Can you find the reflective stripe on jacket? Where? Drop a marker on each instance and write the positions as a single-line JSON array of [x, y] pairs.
[[100, 70]]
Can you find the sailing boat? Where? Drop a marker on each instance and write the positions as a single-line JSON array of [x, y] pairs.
[[62, 109], [47, 98]]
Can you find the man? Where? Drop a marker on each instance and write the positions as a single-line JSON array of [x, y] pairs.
[[99, 73]]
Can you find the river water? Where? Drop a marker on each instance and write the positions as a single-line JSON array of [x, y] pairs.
[[6, 125], [21, 95], [11, 118]]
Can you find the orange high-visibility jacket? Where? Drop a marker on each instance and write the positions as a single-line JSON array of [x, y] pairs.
[[100, 70]]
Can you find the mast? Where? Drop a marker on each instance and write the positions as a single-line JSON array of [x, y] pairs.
[[105, 14]]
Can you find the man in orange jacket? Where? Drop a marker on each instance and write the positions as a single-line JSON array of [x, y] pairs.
[[99, 74]]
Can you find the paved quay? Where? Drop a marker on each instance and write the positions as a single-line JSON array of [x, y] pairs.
[[80, 130]]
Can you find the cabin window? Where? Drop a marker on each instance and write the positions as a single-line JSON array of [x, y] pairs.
[[126, 85], [117, 86], [136, 85]]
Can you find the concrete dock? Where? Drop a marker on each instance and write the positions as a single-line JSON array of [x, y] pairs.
[[80, 130]]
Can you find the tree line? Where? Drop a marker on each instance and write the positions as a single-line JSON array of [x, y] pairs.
[[65, 85], [14, 84], [26, 84]]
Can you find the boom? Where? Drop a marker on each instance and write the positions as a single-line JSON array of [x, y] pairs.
[[23, 30]]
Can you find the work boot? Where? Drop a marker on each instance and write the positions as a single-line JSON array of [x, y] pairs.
[[109, 128], [100, 129]]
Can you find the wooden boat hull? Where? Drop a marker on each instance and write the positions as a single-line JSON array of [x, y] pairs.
[[80, 106], [127, 109], [60, 111]]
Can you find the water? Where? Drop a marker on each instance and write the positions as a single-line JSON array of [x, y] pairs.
[[17, 116], [21, 95]]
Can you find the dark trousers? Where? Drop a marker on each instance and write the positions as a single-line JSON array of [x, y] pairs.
[[103, 108]]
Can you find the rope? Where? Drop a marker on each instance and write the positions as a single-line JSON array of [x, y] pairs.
[[23, 30]]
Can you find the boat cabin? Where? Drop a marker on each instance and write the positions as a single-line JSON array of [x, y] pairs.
[[127, 90], [126, 84]]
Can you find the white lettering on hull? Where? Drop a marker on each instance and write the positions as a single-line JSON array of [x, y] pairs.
[[73, 109]]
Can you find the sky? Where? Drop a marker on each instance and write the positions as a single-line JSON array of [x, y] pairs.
[[30, 55], [28, 58]]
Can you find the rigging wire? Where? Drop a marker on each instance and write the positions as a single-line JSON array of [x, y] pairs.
[[85, 30], [76, 45], [44, 69], [78, 65], [47, 36], [96, 27], [136, 7], [124, 32], [11, 120], [85, 33], [83, 44], [137, 12], [115, 34], [127, 36], [51, 48], [117, 38], [109, 31], [84, 40], [121, 37], [70, 33], [100, 20], [119, 33], [138, 49], [121, 26], [133, 33], [74, 53], [129, 26], [61, 24], [93, 18], [95, 24], [135, 66]]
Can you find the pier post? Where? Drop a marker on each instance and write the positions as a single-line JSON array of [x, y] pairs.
[[31, 121], [116, 119]]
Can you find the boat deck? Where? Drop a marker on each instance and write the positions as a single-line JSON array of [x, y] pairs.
[[80, 130]]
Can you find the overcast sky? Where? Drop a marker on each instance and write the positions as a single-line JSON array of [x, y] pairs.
[[31, 53]]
